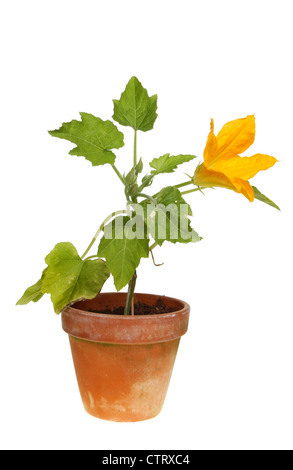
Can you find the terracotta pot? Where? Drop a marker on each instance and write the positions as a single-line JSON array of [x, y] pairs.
[[123, 363]]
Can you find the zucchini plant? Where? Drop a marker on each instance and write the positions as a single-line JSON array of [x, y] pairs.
[[147, 220]]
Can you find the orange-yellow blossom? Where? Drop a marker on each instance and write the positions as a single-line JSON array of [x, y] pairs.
[[223, 167]]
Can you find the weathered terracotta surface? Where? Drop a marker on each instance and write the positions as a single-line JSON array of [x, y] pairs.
[[124, 364]]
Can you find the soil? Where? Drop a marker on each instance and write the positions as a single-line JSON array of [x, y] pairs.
[[140, 308]]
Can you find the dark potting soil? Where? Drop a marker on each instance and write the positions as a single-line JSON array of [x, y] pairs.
[[140, 308]]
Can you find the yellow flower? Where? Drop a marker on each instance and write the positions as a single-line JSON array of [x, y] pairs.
[[223, 167]]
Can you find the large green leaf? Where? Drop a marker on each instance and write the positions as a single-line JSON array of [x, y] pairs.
[[261, 197], [122, 250], [135, 108], [94, 138], [167, 163], [33, 293], [168, 219], [69, 278]]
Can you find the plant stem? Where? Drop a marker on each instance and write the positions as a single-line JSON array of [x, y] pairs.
[[153, 246], [118, 173], [129, 297], [191, 191], [183, 184], [180, 185], [135, 149], [131, 286], [90, 257], [130, 294], [100, 229]]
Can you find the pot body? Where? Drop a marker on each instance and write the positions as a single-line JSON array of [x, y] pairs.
[[123, 364]]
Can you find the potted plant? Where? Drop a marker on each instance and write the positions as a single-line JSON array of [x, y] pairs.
[[124, 344]]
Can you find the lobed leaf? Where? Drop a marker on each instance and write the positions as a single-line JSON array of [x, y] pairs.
[[167, 163], [94, 138], [135, 108], [68, 278], [32, 293], [168, 219]]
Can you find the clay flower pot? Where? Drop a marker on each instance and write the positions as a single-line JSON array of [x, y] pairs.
[[123, 363]]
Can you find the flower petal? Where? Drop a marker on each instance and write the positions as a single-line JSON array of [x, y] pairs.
[[235, 137], [244, 167], [207, 178], [244, 188], [211, 146]]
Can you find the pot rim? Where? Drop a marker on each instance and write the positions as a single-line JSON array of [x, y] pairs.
[[126, 329]]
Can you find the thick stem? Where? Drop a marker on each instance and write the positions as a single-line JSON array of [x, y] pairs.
[[129, 297]]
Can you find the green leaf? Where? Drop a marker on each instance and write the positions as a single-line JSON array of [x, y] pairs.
[[167, 163], [135, 108], [122, 249], [94, 138], [33, 293], [261, 197], [69, 278], [168, 219]]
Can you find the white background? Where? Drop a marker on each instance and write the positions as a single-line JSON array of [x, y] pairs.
[[232, 384]]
